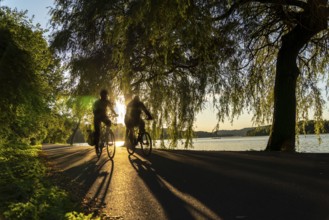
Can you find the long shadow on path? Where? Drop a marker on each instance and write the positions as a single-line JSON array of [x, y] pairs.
[[80, 171], [238, 185], [175, 206]]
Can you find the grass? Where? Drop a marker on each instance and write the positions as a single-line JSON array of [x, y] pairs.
[[26, 192]]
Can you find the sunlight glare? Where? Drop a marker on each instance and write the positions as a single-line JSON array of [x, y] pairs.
[[119, 143], [120, 109]]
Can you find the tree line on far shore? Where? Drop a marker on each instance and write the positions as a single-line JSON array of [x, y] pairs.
[[304, 127]]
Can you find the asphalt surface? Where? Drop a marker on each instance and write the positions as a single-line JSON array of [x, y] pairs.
[[198, 185]]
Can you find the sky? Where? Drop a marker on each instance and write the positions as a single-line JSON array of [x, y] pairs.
[[205, 121]]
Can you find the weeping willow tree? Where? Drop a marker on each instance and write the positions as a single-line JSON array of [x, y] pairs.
[[176, 53], [163, 51], [286, 43]]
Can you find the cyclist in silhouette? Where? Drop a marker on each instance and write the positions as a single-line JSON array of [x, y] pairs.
[[133, 115], [100, 114]]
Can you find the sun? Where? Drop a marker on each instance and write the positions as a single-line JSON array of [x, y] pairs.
[[120, 109]]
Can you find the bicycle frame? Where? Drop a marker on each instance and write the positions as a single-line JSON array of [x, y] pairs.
[[107, 140], [134, 136]]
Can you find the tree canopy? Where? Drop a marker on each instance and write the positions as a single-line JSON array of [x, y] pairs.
[[179, 54], [29, 78]]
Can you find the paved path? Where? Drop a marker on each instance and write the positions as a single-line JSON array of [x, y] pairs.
[[199, 185]]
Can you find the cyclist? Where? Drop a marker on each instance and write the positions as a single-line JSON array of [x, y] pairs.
[[100, 114], [133, 115]]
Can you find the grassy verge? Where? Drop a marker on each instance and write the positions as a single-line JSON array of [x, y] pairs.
[[25, 190]]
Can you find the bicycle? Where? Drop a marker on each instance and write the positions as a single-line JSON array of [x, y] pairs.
[[134, 136], [107, 140]]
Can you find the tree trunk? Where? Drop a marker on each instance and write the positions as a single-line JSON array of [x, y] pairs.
[[75, 131], [282, 136]]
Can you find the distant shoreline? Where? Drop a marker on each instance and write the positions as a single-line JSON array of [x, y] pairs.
[[304, 127]]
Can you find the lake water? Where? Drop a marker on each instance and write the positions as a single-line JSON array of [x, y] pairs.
[[307, 143]]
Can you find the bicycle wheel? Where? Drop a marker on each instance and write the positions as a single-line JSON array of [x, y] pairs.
[[110, 145], [146, 144], [130, 143]]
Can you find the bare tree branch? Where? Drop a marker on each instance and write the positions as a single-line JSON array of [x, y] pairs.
[[297, 3], [231, 9], [239, 3]]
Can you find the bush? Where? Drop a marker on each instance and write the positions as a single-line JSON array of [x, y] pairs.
[[25, 192]]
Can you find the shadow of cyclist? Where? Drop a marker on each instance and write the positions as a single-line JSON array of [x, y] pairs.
[[88, 181], [175, 206]]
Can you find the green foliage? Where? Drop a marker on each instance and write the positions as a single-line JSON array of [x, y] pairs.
[[129, 50], [80, 216], [177, 55], [59, 128], [29, 78], [25, 193]]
